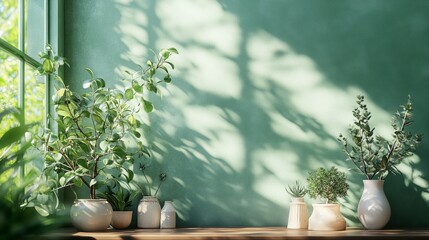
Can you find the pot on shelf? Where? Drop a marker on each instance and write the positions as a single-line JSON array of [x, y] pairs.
[[298, 214], [148, 213], [121, 219], [326, 217], [91, 215]]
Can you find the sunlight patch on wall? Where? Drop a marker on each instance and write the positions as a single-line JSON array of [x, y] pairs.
[[132, 29], [201, 22], [273, 170], [305, 87], [223, 140]]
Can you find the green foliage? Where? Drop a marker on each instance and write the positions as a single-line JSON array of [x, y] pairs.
[[297, 190], [17, 219], [328, 184], [373, 155], [119, 196], [95, 128]]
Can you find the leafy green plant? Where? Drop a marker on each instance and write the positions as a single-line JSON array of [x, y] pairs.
[[373, 155], [119, 196], [162, 178], [17, 215], [328, 184], [89, 146], [297, 190]]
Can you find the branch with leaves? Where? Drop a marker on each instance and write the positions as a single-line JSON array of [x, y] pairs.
[[89, 146], [373, 155]]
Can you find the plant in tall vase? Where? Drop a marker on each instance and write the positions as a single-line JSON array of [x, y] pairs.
[[329, 185], [95, 128], [376, 157], [298, 213], [149, 209]]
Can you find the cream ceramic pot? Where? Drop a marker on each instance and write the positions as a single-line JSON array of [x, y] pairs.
[[91, 215]]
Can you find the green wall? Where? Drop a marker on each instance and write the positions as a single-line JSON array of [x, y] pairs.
[[261, 91]]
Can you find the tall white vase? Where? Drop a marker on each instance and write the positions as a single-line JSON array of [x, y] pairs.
[[298, 214], [373, 208], [148, 213]]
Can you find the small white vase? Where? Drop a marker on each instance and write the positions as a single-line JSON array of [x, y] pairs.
[[373, 208], [148, 213], [121, 219], [168, 215], [326, 217], [298, 214], [91, 215]]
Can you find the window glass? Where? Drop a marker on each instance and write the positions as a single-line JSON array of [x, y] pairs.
[[8, 85], [34, 27], [9, 15]]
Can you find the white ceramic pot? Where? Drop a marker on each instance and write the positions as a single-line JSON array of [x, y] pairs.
[[91, 215], [373, 208], [121, 219], [298, 214], [148, 213], [326, 217], [168, 215]]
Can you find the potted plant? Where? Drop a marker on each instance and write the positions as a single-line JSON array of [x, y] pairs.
[[120, 196], [375, 157], [298, 214], [149, 209], [328, 184], [94, 129]]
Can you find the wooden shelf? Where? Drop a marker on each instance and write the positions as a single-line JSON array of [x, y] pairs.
[[241, 233]]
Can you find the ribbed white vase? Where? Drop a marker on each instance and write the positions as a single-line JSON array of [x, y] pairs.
[[373, 208], [298, 214]]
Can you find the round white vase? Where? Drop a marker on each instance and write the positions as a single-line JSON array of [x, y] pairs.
[[168, 215], [121, 219], [298, 214], [326, 217], [148, 213], [373, 208], [91, 215]]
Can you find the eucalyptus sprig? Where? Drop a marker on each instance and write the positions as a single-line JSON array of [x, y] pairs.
[[373, 155], [297, 190]]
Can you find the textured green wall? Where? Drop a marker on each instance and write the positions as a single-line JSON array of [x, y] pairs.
[[261, 91]]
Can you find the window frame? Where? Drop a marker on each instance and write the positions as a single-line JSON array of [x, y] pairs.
[[52, 34]]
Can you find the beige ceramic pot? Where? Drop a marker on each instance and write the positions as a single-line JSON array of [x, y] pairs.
[[326, 217], [121, 219], [91, 215]]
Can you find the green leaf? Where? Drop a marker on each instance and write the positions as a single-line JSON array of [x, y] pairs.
[[42, 211], [82, 162], [151, 87], [48, 66], [77, 182], [173, 50], [12, 135], [137, 87], [91, 73], [171, 64], [129, 94], [167, 78], [148, 106]]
